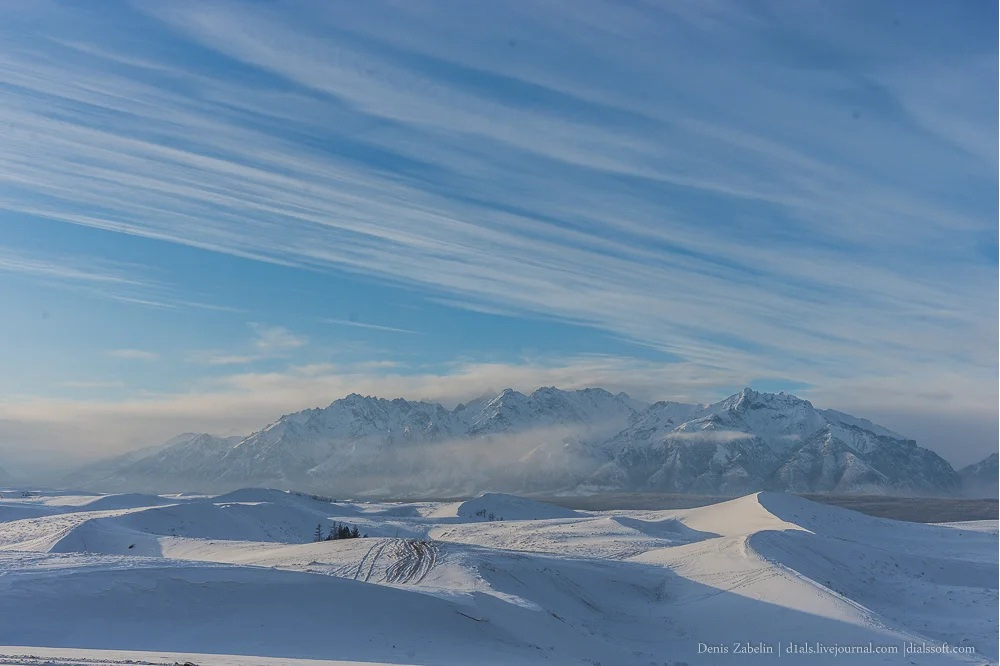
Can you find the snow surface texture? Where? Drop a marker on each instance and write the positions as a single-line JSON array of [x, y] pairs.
[[236, 579], [550, 441]]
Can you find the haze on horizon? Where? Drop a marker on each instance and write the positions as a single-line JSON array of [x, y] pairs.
[[218, 213]]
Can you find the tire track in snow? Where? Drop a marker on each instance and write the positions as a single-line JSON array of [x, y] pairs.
[[411, 561], [371, 557], [416, 559]]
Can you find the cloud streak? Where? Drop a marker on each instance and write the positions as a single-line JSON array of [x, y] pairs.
[[212, 358], [95, 278], [361, 324], [133, 354]]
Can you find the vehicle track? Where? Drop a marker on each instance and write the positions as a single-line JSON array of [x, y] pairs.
[[369, 559], [415, 560], [410, 562]]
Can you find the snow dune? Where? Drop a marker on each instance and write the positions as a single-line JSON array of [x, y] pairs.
[[238, 577], [123, 501], [510, 507]]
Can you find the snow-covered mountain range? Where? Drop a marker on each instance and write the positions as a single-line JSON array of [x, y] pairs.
[[548, 441]]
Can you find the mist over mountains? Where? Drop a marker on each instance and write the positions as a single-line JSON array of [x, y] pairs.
[[550, 441], [981, 479]]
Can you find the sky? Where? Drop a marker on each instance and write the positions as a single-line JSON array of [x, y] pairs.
[[215, 213]]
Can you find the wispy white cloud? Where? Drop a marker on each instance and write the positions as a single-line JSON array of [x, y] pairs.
[[96, 278], [133, 354], [92, 384], [62, 268], [377, 365], [220, 358], [276, 339], [266, 343]]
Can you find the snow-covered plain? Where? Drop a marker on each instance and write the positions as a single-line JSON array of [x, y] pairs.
[[237, 579]]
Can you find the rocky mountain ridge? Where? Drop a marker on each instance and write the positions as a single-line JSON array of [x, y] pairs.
[[548, 441]]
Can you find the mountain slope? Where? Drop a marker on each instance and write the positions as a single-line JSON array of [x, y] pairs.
[[980, 479], [547, 441], [752, 441], [193, 458]]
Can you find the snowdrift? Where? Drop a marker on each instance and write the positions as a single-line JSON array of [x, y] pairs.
[[155, 605], [511, 507], [124, 501]]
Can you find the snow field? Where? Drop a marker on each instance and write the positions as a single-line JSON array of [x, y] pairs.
[[237, 577]]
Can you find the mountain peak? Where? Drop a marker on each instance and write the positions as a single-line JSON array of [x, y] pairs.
[[507, 396], [747, 398]]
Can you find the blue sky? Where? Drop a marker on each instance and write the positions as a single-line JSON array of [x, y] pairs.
[[216, 213]]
